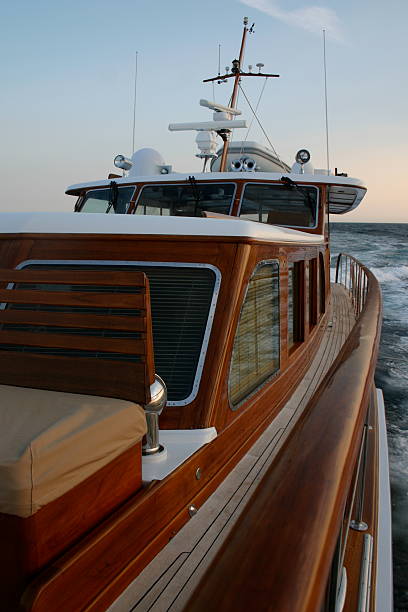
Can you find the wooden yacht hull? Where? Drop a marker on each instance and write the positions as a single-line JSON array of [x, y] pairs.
[[313, 408]]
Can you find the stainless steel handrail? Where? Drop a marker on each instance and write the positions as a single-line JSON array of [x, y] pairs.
[[354, 277]]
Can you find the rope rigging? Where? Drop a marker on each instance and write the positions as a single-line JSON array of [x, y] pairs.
[[256, 109], [260, 125]]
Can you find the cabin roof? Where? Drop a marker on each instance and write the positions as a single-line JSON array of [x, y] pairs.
[[174, 177], [76, 223]]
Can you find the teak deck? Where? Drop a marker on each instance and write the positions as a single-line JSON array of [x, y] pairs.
[[169, 580]]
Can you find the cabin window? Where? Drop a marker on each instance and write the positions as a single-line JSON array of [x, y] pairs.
[[291, 206], [186, 200], [183, 299], [115, 201], [295, 303], [255, 355]]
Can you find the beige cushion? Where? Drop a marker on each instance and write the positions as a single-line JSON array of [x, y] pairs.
[[51, 441]]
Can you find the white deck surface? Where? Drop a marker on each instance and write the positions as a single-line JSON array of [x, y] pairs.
[[168, 581]]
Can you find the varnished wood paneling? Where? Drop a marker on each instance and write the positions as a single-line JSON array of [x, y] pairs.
[[29, 543], [127, 346], [74, 298], [116, 278], [78, 321], [75, 375]]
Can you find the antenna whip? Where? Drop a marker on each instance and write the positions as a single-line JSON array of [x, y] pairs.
[[325, 101], [134, 108]]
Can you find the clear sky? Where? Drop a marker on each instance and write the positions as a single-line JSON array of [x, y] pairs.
[[67, 79]]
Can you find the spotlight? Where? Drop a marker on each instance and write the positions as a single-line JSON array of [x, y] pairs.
[[302, 156], [122, 162]]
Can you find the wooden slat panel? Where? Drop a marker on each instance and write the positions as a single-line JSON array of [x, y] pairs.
[[74, 298], [149, 337], [127, 346], [75, 320], [90, 376], [74, 277]]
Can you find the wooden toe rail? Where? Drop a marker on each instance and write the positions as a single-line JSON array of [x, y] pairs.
[[79, 331]]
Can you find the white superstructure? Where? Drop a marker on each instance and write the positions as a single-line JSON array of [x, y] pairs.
[[66, 223]]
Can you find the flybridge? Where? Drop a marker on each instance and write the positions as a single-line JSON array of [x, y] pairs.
[[239, 178]]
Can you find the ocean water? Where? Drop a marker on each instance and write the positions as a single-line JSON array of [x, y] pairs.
[[383, 247]]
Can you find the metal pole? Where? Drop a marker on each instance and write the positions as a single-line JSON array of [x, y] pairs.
[[134, 108], [325, 101], [223, 162], [337, 267]]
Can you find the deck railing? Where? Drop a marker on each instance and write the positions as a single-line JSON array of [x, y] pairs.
[[354, 276]]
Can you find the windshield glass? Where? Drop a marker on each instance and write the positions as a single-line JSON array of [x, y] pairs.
[[292, 206], [186, 200], [98, 200]]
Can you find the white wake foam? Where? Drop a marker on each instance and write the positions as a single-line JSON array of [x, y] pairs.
[[391, 274]]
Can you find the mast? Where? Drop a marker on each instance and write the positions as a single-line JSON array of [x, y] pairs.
[[236, 73], [236, 68]]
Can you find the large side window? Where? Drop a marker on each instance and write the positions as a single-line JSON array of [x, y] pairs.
[[115, 201], [295, 303], [280, 204], [255, 355], [185, 200]]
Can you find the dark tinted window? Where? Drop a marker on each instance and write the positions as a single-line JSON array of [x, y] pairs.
[[186, 200], [295, 303], [292, 206]]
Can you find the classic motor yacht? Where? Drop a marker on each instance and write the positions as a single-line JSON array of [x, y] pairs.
[[188, 408]]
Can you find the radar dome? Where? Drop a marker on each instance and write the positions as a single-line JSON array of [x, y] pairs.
[[146, 162]]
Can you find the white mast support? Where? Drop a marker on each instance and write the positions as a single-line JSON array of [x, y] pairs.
[[208, 125], [219, 107]]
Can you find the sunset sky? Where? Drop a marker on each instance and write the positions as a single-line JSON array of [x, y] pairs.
[[67, 80]]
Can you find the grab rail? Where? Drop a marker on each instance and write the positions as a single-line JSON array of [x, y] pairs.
[[281, 548], [353, 275]]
